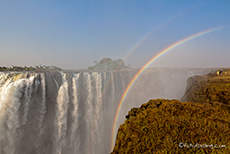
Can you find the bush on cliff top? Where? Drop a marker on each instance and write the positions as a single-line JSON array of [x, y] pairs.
[[160, 125], [107, 64]]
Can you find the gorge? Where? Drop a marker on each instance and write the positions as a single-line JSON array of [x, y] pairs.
[[73, 112]]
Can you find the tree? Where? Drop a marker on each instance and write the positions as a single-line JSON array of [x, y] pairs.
[[107, 64], [95, 62]]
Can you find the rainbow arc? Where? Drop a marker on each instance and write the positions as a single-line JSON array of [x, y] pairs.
[[145, 66]]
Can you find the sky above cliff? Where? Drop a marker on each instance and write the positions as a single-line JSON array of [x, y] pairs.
[[75, 33]]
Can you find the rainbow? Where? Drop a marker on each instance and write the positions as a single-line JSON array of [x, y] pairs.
[[153, 31], [145, 66], [141, 41]]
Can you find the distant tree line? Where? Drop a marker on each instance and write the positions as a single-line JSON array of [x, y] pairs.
[[107, 64], [30, 68]]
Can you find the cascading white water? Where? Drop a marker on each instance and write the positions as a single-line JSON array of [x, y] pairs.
[[28, 93], [9, 111], [98, 107], [61, 113], [89, 115], [75, 114], [43, 105], [65, 113], [113, 92], [11, 93]]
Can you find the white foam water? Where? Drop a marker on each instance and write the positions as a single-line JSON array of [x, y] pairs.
[[61, 114]]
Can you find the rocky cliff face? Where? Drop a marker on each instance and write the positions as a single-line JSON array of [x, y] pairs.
[[171, 126], [208, 88]]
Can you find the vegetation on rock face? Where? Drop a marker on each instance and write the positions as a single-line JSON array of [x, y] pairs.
[[161, 126], [208, 88], [36, 68], [107, 64], [200, 125], [17, 68]]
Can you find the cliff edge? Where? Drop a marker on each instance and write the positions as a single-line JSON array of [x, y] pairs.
[[172, 126], [208, 88]]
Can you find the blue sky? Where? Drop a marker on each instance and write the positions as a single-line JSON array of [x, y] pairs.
[[74, 33]]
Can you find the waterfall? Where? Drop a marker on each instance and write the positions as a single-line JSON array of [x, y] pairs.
[[28, 93], [10, 101], [61, 114], [89, 115], [98, 108], [43, 103], [66, 113], [75, 113]]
